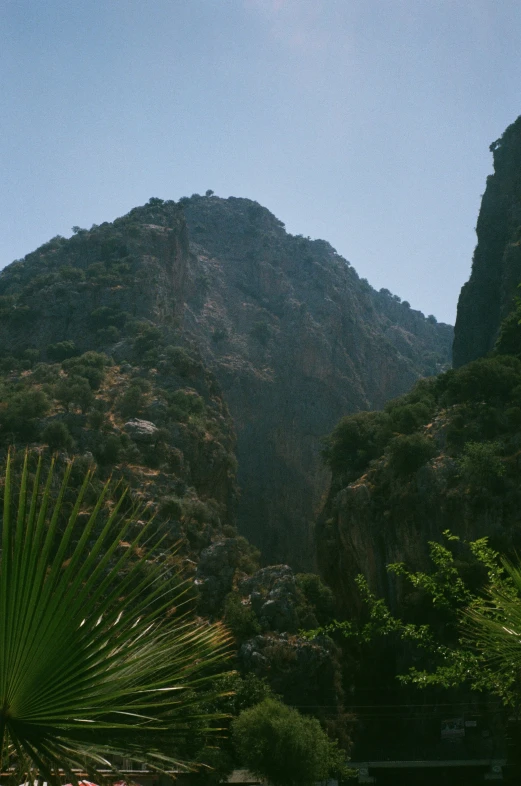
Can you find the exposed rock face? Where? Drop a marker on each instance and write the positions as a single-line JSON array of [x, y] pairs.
[[141, 430], [218, 569], [307, 674], [487, 297], [304, 672], [296, 340], [273, 595]]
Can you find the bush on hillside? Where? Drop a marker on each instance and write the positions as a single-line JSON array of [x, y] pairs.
[[481, 463], [62, 350], [408, 452], [355, 441], [57, 436]]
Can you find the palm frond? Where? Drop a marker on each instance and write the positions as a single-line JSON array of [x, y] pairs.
[[493, 624], [93, 661]]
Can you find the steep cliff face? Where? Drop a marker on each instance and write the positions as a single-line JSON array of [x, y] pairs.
[[488, 296], [296, 340]]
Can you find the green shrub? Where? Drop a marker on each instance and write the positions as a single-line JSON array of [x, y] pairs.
[[240, 618], [32, 403], [184, 404], [31, 355], [90, 359], [71, 274], [21, 316], [182, 361], [150, 358], [108, 449], [96, 419], [318, 598], [108, 335], [106, 316], [261, 331], [197, 510], [46, 373], [276, 742], [491, 379], [62, 350], [481, 464], [9, 363], [74, 391], [171, 507], [407, 418], [148, 339], [509, 339], [131, 403], [219, 334], [90, 366], [248, 557], [407, 453], [355, 441], [57, 436]]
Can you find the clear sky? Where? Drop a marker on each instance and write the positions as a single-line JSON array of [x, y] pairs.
[[364, 122]]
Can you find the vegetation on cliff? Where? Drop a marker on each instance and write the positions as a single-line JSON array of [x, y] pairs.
[[445, 456]]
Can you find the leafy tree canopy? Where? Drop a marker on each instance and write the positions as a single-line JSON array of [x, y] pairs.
[[278, 743], [473, 635]]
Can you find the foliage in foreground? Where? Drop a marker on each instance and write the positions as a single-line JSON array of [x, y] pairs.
[[99, 658], [473, 633], [278, 743]]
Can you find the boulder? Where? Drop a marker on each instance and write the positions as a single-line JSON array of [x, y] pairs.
[[141, 430]]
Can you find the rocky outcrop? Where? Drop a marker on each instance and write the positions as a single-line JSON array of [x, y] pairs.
[[296, 340], [488, 296], [305, 673]]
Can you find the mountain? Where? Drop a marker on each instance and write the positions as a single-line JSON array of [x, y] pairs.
[[488, 296], [446, 455], [200, 352], [216, 325], [296, 340]]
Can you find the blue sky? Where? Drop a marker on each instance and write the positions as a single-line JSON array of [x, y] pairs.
[[364, 122]]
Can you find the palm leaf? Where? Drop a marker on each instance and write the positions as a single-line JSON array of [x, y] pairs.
[[493, 624], [94, 662]]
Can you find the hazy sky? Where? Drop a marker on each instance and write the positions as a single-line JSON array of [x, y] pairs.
[[364, 122]]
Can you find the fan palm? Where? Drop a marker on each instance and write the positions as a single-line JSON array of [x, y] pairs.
[[96, 660], [492, 625]]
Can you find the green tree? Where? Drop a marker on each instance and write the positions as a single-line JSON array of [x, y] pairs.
[[57, 435], [408, 452], [481, 464], [96, 658], [276, 742], [472, 605]]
